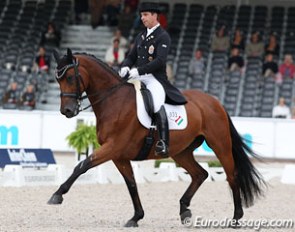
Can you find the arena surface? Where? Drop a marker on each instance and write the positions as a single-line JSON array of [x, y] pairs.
[[108, 207]]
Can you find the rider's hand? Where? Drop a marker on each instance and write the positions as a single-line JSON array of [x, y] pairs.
[[133, 73], [124, 71]]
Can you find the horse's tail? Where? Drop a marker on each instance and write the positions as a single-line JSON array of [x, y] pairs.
[[249, 179]]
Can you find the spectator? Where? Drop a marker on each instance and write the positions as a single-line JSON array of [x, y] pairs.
[[132, 4], [220, 42], [123, 41], [51, 37], [255, 48], [163, 20], [96, 10], [81, 7], [270, 67], [287, 69], [126, 19], [238, 40], [12, 94], [115, 55], [28, 98], [42, 61], [112, 11], [272, 46], [197, 64], [281, 110], [236, 61]]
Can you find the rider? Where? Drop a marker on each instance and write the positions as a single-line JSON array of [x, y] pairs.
[[149, 55]]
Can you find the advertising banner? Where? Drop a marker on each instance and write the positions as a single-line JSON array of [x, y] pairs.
[[26, 157]]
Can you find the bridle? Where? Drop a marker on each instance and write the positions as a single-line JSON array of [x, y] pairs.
[[78, 95], [78, 77]]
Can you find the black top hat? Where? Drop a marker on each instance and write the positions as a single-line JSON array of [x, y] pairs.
[[150, 7]]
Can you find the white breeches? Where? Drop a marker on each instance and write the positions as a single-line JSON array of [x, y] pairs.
[[156, 89]]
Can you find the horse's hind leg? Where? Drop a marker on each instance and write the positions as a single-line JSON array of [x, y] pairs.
[[221, 144], [125, 168], [186, 160]]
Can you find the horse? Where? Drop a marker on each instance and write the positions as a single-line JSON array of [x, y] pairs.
[[122, 136]]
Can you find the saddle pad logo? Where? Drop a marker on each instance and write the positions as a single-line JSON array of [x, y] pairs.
[[174, 116], [179, 120]]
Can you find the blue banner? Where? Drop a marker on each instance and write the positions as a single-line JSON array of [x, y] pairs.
[[26, 157]]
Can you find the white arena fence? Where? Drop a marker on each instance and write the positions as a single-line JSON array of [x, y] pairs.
[[145, 172], [272, 138]]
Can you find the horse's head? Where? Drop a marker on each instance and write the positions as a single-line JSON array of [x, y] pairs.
[[70, 78]]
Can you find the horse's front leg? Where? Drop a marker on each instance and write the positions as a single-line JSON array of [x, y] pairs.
[[98, 157], [125, 168]]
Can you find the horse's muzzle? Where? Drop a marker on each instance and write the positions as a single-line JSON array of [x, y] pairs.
[[69, 112]]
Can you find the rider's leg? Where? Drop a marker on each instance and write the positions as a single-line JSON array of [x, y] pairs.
[[163, 130], [158, 94]]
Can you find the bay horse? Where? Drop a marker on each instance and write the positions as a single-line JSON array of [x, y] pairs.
[[121, 135]]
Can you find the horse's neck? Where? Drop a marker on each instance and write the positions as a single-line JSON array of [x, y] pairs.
[[104, 91]]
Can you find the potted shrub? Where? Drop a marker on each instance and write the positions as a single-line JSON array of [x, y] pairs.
[[83, 139]]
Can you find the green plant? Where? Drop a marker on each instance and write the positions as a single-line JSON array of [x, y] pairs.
[[214, 163], [82, 138]]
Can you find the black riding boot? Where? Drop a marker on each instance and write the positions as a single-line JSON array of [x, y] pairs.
[[162, 148]]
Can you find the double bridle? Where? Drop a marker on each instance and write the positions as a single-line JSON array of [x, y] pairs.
[[78, 77], [78, 95]]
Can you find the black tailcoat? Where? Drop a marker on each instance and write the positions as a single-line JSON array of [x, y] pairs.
[[149, 55]]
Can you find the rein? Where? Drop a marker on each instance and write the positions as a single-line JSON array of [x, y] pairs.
[[102, 98], [78, 94]]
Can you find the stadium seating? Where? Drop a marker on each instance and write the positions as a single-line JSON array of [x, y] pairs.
[[247, 94], [191, 26], [21, 26]]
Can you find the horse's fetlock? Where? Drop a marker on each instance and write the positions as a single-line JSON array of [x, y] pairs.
[[205, 175], [139, 214]]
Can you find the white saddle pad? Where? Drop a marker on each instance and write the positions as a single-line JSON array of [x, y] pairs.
[[177, 118]]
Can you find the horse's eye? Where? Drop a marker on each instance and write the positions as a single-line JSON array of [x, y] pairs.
[[70, 79]]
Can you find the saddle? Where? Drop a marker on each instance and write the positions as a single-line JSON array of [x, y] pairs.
[[176, 116]]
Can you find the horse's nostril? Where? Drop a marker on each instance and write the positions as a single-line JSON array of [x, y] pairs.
[[68, 112]]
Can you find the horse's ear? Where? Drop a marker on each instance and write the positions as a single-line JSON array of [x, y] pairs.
[[56, 55], [69, 55]]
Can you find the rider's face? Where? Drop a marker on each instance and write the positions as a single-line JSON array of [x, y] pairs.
[[149, 19]]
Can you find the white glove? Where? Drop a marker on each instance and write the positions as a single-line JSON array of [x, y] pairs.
[[133, 73], [124, 71]]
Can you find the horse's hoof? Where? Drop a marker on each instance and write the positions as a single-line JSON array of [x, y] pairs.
[[131, 223], [186, 218], [238, 214], [55, 199]]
